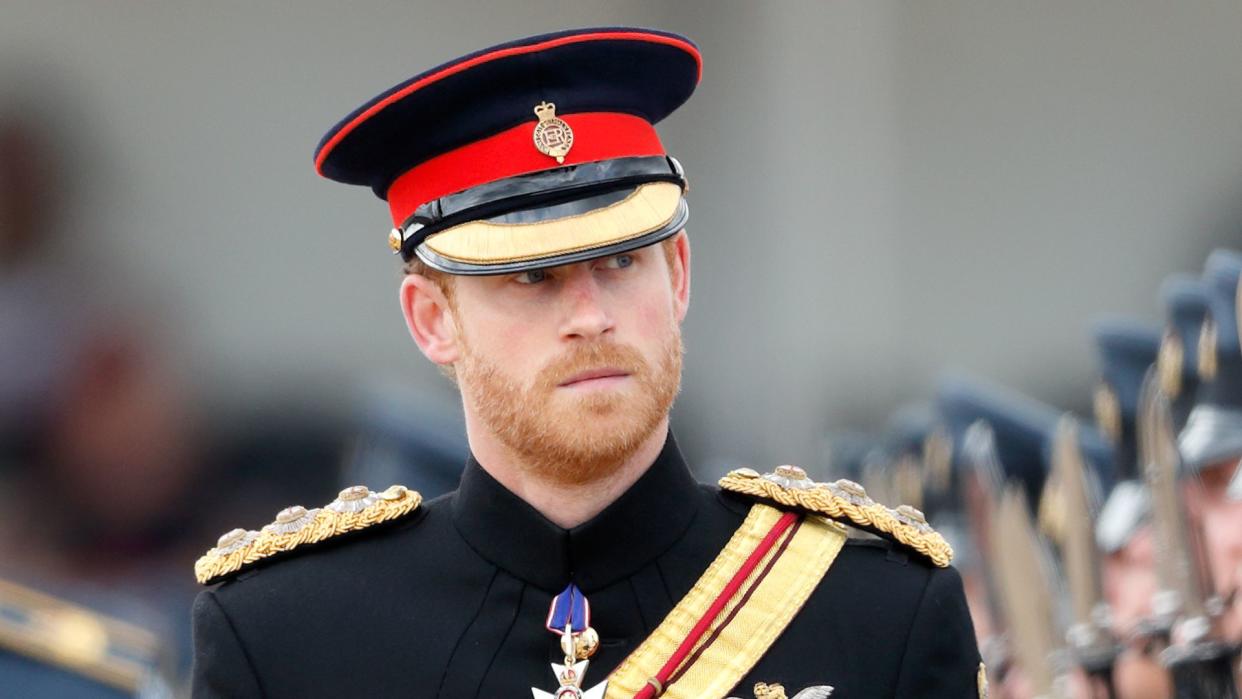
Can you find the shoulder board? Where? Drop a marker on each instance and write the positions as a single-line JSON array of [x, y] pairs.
[[77, 640], [354, 508], [844, 501]]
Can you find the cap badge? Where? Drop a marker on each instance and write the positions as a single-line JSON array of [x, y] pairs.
[[1170, 362], [1207, 350], [1107, 408], [552, 136]]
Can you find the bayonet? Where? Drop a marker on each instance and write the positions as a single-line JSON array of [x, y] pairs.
[[1090, 635], [1026, 595], [1167, 524], [984, 481], [1200, 663]]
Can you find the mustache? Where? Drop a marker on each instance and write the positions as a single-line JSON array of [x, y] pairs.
[[583, 358]]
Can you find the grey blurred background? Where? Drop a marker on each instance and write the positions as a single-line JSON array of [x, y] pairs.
[[880, 191]]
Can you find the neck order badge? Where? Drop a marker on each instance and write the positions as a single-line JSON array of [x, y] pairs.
[[569, 615]]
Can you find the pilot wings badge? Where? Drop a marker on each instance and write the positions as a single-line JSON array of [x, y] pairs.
[[763, 690]]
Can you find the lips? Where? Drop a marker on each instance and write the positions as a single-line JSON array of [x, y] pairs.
[[592, 375]]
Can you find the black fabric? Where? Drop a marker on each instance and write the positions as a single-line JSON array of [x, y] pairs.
[[1225, 388], [1184, 402], [514, 193], [1125, 450], [627, 76], [452, 603]]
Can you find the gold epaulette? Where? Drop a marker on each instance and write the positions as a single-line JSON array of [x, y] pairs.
[[78, 640], [844, 501], [355, 508]]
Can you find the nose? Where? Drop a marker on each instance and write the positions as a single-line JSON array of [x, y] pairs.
[[586, 311]]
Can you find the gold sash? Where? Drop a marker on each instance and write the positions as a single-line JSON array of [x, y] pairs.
[[752, 620]]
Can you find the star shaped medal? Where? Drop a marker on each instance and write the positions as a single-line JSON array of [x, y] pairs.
[[569, 617]]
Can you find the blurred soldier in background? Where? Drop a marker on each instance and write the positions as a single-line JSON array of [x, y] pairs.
[[1185, 302], [1080, 465], [1148, 607], [998, 441], [1126, 349], [1211, 442]]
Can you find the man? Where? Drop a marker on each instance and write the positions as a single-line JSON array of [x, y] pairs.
[[1211, 442], [543, 228], [997, 439], [1126, 349]]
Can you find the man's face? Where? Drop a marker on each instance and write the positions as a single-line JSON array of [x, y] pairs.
[[572, 367]]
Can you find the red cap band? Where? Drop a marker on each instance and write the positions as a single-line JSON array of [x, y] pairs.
[[597, 136]]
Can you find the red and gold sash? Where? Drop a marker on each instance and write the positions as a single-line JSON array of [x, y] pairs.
[[735, 611]]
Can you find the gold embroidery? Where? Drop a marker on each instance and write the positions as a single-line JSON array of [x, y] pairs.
[[355, 508], [648, 208], [844, 501], [982, 680]]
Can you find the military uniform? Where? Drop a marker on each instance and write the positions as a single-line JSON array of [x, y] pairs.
[[1126, 350], [1213, 432], [532, 154], [451, 602]]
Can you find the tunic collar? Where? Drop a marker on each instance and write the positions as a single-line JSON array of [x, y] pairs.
[[636, 528]]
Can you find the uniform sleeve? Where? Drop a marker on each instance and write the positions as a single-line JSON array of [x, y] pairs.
[[222, 668], [941, 658]]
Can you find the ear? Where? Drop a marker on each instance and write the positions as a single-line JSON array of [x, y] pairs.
[[430, 319], [681, 275]]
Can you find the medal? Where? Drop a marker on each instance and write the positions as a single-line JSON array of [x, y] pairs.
[[569, 616]]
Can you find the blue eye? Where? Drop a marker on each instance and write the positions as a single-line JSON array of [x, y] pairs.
[[619, 261], [532, 276]]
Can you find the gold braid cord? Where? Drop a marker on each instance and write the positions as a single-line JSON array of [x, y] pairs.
[[355, 508], [844, 501]]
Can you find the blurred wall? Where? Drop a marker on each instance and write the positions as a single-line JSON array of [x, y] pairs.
[[879, 190]]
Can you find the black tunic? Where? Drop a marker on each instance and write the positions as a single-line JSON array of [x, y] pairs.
[[451, 602]]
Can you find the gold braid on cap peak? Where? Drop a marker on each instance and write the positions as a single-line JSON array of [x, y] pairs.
[[844, 501], [355, 508]]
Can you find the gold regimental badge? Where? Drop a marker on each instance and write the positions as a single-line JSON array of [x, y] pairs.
[[1107, 409], [553, 137], [1207, 350], [982, 681], [1169, 362]]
